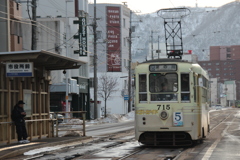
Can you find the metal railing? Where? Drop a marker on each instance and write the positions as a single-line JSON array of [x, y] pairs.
[[83, 113]]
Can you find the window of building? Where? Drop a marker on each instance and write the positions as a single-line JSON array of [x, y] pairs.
[[209, 69], [217, 74], [125, 84], [124, 22], [217, 69], [17, 6], [225, 69], [18, 39], [217, 63], [209, 64], [228, 55], [91, 82], [16, 28], [82, 70], [124, 41], [204, 64], [228, 49]]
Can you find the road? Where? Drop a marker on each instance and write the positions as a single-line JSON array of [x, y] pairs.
[[112, 141], [109, 128], [223, 141]]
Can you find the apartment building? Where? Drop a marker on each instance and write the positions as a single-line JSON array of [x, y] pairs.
[[224, 64]]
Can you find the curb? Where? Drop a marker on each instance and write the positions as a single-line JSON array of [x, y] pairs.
[[25, 149]]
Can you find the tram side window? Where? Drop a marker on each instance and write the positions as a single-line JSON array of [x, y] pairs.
[[185, 89], [194, 89], [142, 87], [204, 90]]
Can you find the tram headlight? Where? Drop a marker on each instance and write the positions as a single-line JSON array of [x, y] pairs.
[[163, 115]]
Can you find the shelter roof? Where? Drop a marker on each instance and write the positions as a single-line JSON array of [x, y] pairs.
[[42, 58]]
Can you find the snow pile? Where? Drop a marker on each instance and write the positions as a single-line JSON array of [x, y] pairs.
[[114, 118], [130, 115], [111, 118], [73, 123], [237, 115]]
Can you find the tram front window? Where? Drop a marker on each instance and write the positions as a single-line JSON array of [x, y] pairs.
[[162, 86]]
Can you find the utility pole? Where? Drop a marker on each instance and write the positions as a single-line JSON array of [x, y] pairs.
[[152, 43], [34, 27], [130, 64], [158, 47], [67, 72], [95, 59]]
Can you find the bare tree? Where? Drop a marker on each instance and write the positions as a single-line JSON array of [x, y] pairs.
[[106, 86]]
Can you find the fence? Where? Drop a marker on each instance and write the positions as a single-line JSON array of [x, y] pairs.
[[37, 128], [43, 129], [83, 113]]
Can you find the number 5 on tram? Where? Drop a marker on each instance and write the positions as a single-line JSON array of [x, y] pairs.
[[171, 103]]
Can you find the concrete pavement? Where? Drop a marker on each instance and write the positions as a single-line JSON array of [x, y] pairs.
[[15, 149]]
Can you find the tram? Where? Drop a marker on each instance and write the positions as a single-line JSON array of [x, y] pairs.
[[171, 103]]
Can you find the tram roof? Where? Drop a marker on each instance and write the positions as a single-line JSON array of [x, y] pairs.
[[166, 60], [41, 58]]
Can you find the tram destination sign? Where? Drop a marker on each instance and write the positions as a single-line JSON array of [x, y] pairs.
[[162, 67], [19, 69]]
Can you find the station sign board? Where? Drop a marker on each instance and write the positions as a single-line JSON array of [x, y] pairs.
[[19, 69]]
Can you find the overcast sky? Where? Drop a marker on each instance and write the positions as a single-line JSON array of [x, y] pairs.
[[148, 6]]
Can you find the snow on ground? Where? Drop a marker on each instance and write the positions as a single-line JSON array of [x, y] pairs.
[[237, 115], [41, 150], [113, 118]]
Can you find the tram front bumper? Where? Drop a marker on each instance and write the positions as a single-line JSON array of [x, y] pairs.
[[162, 129]]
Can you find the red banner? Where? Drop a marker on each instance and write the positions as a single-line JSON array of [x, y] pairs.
[[114, 39]]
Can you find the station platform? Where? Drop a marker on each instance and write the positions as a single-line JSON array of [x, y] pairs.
[[15, 149]]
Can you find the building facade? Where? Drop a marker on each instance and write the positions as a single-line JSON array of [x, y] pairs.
[[112, 50], [10, 26], [56, 32], [223, 64]]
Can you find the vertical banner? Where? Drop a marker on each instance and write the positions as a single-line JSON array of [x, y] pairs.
[[83, 36], [114, 39]]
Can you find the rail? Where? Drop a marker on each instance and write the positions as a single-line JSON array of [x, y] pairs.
[[68, 124]]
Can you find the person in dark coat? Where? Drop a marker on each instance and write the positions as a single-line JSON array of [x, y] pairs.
[[18, 115]]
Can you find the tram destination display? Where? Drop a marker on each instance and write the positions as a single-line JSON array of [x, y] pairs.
[[162, 67]]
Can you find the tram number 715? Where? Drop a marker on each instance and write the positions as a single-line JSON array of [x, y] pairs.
[[164, 107]]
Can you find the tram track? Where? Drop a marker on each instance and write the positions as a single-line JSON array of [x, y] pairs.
[[129, 155], [209, 143], [222, 120]]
